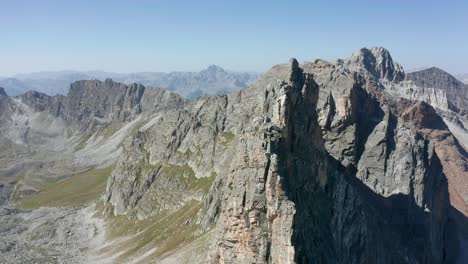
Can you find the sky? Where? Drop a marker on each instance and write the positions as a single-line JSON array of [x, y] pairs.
[[175, 35]]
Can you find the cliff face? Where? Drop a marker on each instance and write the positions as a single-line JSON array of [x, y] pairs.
[[310, 165], [93, 103], [448, 97]]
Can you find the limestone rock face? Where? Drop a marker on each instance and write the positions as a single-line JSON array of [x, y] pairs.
[[90, 103]]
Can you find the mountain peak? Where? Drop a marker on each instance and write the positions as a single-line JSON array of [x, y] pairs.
[[381, 52], [379, 63], [214, 68], [436, 70], [435, 78], [430, 78]]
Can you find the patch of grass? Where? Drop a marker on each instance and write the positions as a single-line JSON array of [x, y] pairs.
[[166, 232], [110, 130], [225, 138], [187, 176], [186, 155], [76, 190], [144, 170]]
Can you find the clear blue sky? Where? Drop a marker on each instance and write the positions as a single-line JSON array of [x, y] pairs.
[[160, 35]]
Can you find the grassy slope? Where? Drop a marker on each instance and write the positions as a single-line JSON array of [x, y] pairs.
[[77, 190], [165, 233]]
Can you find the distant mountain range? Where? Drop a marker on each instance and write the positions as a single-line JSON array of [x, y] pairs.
[[210, 81]]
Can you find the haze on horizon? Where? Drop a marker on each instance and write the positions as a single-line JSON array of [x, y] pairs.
[[163, 36]]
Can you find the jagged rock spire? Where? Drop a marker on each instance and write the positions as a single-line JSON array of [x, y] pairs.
[[379, 63], [296, 73]]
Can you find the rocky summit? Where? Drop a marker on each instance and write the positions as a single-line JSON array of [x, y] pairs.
[[347, 161]]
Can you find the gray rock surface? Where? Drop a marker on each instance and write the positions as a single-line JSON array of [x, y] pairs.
[[95, 103], [379, 63], [49, 235]]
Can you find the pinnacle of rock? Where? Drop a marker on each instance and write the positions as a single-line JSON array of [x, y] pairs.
[[379, 63], [293, 64], [295, 71]]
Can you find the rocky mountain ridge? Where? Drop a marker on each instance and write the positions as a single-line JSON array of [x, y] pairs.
[[78, 131], [365, 131], [324, 162]]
